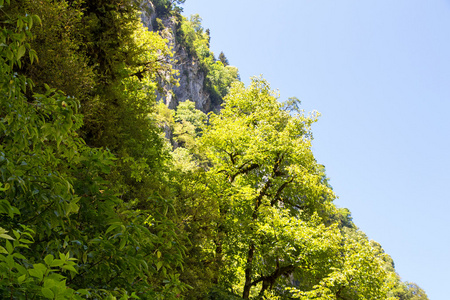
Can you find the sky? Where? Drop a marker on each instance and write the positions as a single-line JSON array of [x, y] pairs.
[[378, 71]]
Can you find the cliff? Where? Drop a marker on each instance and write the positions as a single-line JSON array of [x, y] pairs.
[[190, 76]]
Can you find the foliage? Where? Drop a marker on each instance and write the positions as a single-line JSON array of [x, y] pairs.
[[410, 291], [271, 204], [57, 185], [95, 203], [165, 7], [57, 42]]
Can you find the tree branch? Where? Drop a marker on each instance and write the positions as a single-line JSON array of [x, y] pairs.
[[280, 189]]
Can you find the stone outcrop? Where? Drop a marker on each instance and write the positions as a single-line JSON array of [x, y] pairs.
[[148, 15], [190, 76]]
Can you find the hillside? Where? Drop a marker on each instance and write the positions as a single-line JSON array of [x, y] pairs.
[[136, 165]]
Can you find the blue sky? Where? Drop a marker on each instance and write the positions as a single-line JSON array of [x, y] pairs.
[[379, 73]]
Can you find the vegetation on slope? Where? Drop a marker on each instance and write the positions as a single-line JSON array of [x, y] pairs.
[[96, 204]]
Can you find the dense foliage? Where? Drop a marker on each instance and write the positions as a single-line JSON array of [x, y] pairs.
[[96, 204]]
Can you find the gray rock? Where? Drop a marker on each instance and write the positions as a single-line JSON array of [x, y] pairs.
[[191, 78]]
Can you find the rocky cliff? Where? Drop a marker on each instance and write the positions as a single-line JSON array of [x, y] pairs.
[[190, 76]]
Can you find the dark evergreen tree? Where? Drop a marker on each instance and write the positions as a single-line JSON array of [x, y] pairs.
[[223, 59]]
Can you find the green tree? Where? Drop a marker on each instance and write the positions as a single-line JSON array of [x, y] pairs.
[[223, 59], [272, 200], [261, 161]]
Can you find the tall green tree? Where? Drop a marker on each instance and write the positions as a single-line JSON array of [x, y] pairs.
[[271, 199]]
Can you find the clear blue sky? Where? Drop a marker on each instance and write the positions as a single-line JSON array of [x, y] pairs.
[[379, 73]]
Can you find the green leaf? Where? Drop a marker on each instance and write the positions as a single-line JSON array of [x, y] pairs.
[[62, 256], [73, 208], [47, 293], [9, 247], [83, 292], [21, 269], [18, 255], [49, 282], [41, 268], [159, 265], [33, 55], [69, 268], [10, 261], [37, 19], [30, 22], [6, 236], [21, 52], [123, 242], [49, 259], [36, 273], [22, 278], [112, 227], [57, 263]]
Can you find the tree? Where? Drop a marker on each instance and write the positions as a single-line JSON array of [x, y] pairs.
[[164, 7], [223, 59], [262, 165], [272, 202], [409, 291]]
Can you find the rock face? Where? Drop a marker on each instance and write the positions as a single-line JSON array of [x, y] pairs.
[[148, 15], [190, 77]]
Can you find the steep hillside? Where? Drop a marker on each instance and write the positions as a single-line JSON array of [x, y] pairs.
[[95, 203], [200, 77]]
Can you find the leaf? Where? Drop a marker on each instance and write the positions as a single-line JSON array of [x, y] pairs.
[[18, 255], [20, 51], [62, 256], [73, 208], [33, 55], [30, 22], [10, 261], [49, 282], [37, 19], [3, 231], [9, 54], [36, 273], [49, 259], [159, 265], [47, 293], [69, 268], [21, 269], [22, 278], [83, 292], [41, 267], [9, 247], [111, 228], [6, 236]]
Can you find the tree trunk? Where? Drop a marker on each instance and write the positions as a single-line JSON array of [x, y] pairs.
[[248, 272]]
